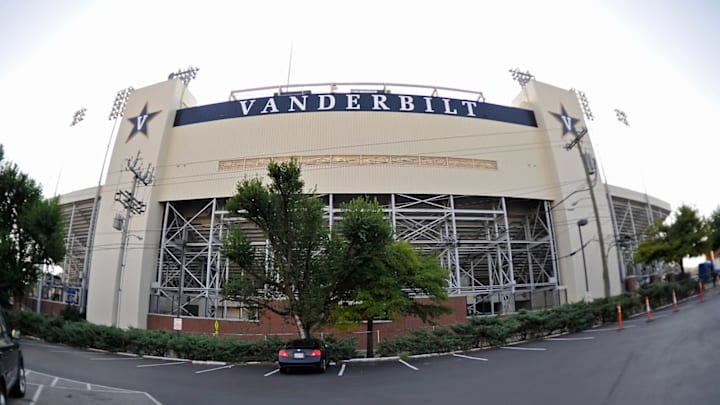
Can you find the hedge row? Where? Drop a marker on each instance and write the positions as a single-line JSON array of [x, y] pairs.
[[481, 332], [68, 329]]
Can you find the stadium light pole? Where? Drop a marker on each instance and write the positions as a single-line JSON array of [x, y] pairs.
[[118, 110], [78, 116], [580, 223], [184, 76], [523, 78]]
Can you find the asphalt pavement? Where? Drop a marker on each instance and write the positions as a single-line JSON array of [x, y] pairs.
[[672, 359]]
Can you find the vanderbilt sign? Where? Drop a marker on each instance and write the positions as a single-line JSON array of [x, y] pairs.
[[340, 102]]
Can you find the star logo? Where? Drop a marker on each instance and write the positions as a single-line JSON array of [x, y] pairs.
[[140, 122], [567, 121]]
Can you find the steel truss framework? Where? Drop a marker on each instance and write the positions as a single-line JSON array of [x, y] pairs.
[[631, 219], [76, 217], [499, 252]]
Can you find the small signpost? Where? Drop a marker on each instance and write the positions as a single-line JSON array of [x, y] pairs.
[[177, 324]]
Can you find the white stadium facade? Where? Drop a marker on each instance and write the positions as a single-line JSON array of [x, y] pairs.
[[500, 193]]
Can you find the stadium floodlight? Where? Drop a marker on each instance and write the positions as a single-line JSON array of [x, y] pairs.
[[184, 75], [622, 117], [118, 110], [120, 103], [78, 116], [521, 77], [584, 104]]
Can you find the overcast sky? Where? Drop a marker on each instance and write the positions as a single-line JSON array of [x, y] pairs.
[[655, 60]]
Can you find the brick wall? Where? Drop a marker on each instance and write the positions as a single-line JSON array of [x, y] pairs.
[[271, 324]]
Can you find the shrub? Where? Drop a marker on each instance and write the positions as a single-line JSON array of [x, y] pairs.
[[71, 313], [342, 349], [532, 324]]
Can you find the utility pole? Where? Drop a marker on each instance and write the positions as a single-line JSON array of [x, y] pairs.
[[133, 206], [576, 141]]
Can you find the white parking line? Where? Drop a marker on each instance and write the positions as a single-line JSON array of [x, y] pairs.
[[409, 365], [55, 380], [537, 349], [644, 319], [470, 357], [150, 397], [161, 364], [342, 370], [570, 339], [213, 369], [271, 372], [608, 329], [113, 358], [37, 395]]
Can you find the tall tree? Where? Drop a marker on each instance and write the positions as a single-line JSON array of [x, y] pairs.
[[687, 235], [294, 279], [380, 277], [31, 232], [714, 229]]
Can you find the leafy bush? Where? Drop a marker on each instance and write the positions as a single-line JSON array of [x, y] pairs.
[[605, 309], [71, 313], [69, 328], [572, 317], [532, 324], [341, 349]]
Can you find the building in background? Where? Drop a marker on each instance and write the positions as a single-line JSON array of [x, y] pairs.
[[499, 192]]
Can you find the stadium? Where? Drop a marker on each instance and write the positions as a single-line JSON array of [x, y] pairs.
[[509, 197]]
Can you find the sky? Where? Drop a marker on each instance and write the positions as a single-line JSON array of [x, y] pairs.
[[655, 60]]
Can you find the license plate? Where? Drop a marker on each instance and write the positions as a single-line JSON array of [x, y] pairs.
[[298, 355]]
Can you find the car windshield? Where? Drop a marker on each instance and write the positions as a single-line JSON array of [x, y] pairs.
[[303, 343]]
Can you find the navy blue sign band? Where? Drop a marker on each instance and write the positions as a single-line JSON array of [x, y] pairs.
[[380, 102]]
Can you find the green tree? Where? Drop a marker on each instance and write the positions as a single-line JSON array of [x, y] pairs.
[[295, 279], [687, 235], [714, 229], [380, 278], [31, 232]]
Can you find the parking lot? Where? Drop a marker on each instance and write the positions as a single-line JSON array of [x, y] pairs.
[[645, 361]]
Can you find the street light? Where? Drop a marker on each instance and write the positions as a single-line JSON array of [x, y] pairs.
[[580, 223]]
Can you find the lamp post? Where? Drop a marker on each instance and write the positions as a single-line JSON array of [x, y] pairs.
[[580, 223]]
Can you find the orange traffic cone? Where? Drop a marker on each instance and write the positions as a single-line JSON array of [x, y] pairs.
[[647, 308], [619, 315], [675, 304]]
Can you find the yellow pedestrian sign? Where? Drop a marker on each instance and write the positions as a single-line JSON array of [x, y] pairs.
[[217, 326]]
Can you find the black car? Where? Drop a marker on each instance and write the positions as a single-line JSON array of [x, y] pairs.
[[304, 353], [12, 370]]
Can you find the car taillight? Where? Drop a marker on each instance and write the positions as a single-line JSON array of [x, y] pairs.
[[283, 353], [315, 353]]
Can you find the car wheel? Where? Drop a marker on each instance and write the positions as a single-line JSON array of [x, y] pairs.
[[283, 370], [18, 390]]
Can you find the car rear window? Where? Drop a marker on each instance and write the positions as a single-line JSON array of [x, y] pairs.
[[309, 343]]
